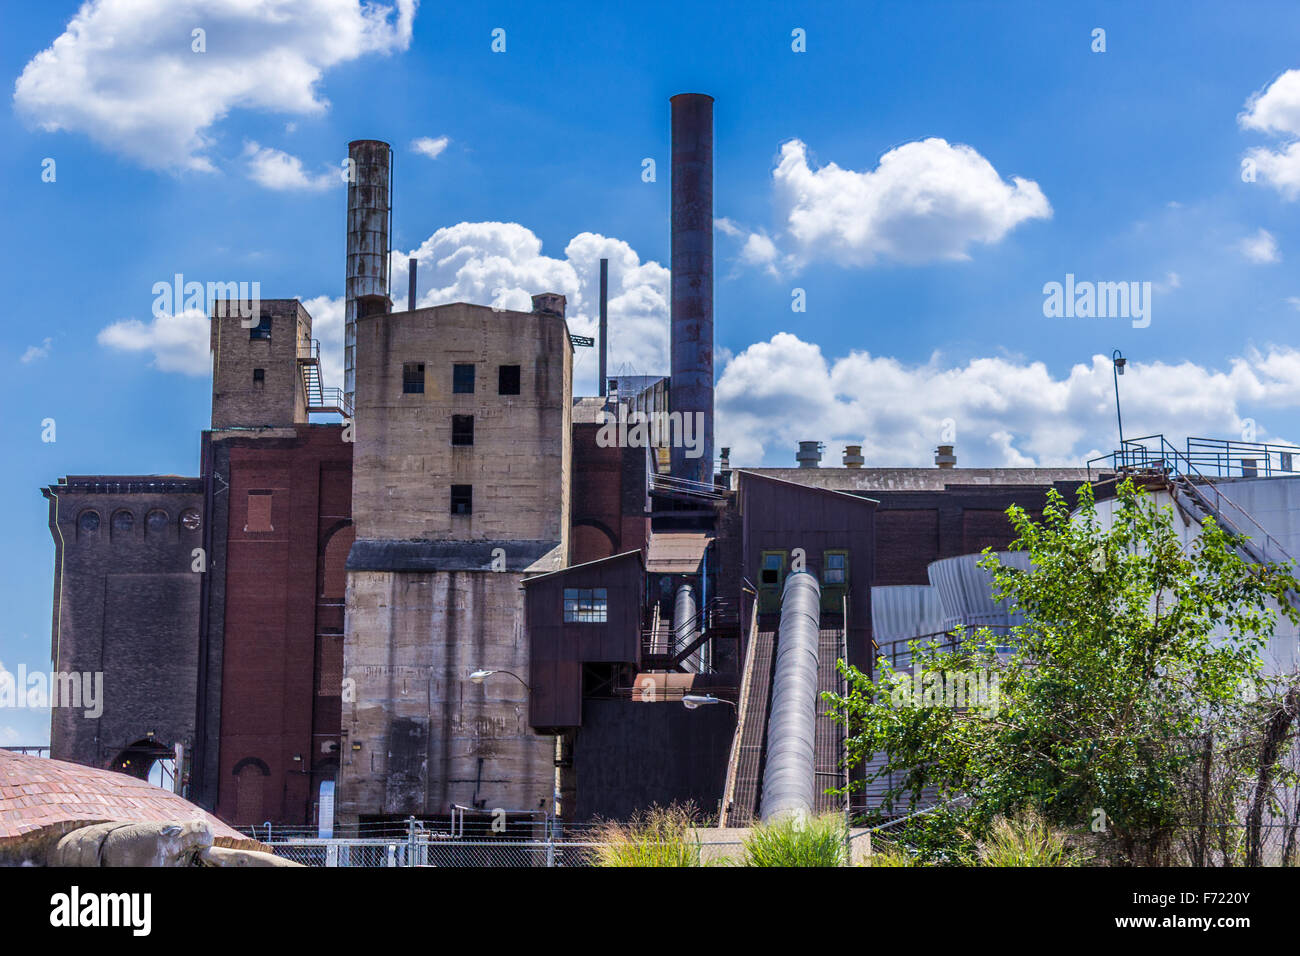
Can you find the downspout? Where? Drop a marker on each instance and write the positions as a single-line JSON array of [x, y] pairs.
[[789, 776]]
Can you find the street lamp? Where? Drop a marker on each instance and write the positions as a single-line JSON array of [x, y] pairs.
[[1118, 361], [693, 701], [480, 676]]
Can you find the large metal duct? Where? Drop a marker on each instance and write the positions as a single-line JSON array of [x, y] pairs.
[[901, 612], [370, 167], [789, 778], [692, 279], [966, 591], [685, 623]]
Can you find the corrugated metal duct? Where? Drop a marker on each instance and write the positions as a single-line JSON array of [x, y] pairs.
[[789, 779], [901, 612], [686, 623], [966, 591]]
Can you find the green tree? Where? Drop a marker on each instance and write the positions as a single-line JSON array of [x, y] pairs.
[[1099, 707]]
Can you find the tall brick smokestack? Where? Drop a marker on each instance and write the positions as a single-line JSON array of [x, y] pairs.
[[692, 279], [370, 167]]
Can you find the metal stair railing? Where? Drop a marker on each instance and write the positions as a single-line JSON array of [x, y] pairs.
[[1180, 471]]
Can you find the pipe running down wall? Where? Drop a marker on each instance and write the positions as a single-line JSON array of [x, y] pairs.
[[789, 778], [685, 630]]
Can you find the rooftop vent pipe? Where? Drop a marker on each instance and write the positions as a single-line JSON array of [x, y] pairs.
[[604, 320], [809, 454], [853, 456], [692, 280], [789, 777], [944, 458]]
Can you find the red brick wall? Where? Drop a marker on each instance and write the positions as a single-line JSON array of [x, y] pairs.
[[282, 660]]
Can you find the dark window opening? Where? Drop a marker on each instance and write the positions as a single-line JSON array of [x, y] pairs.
[[413, 378], [259, 377], [772, 567], [462, 379], [262, 330], [585, 606], [462, 429], [462, 499], [508, 380]]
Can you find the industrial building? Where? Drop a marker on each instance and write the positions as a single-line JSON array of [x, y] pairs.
[[463, 598]]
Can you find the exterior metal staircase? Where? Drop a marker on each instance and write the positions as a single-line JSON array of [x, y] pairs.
[[1197, 495], [320, 399]]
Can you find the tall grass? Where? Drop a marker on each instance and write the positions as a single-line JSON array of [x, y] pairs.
[[660, 836], [1026, 840], [792, 842]]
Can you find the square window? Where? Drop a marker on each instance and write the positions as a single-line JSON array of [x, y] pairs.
[[836, 568], [462, 379], [262, 330], [258, 517], [585, 606], [508, 380], [462, 499], [413, 378], [462, 429], [771, 570]]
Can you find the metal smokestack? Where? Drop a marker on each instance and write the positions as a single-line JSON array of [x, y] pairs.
[[692, 280], [370, 209], [411, 265], [604, 320]]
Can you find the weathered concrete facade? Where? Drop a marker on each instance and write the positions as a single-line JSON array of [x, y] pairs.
[[460, 486]]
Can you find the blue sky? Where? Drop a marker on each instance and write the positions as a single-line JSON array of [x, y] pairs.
[[955, 157]]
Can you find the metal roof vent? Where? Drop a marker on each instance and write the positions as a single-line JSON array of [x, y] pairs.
[[809, 454], [944, 458], [853, 456]]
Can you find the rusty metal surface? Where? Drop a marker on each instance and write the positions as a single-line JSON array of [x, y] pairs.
[[692, 275], [369, 219]]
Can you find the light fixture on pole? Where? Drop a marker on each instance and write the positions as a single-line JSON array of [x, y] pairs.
[[1118, 362], [479, 676], [693, 701]]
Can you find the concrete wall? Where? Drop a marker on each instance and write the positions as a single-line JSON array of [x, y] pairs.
[[429, 737], [424, 609], [518, 464], [125, 605]]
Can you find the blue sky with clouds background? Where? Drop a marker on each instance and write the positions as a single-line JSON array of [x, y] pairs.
[[920, 172]]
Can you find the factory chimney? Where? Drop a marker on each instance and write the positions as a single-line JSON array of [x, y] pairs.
[[691, 387], [411, 265], [370, 209]]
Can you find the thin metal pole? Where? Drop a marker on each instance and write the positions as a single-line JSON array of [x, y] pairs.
[[1114, 374]]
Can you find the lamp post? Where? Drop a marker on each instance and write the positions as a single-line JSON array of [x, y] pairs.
[[694, 701], [480, 676], [1118, 362]]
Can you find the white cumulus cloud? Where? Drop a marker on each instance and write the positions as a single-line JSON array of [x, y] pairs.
[[276, 169], [485, 263], [35, 353], [428, 146], [1007, 411], [1260, 248], [1276, 110], [126, 72], [924, 201], [178, 343]]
